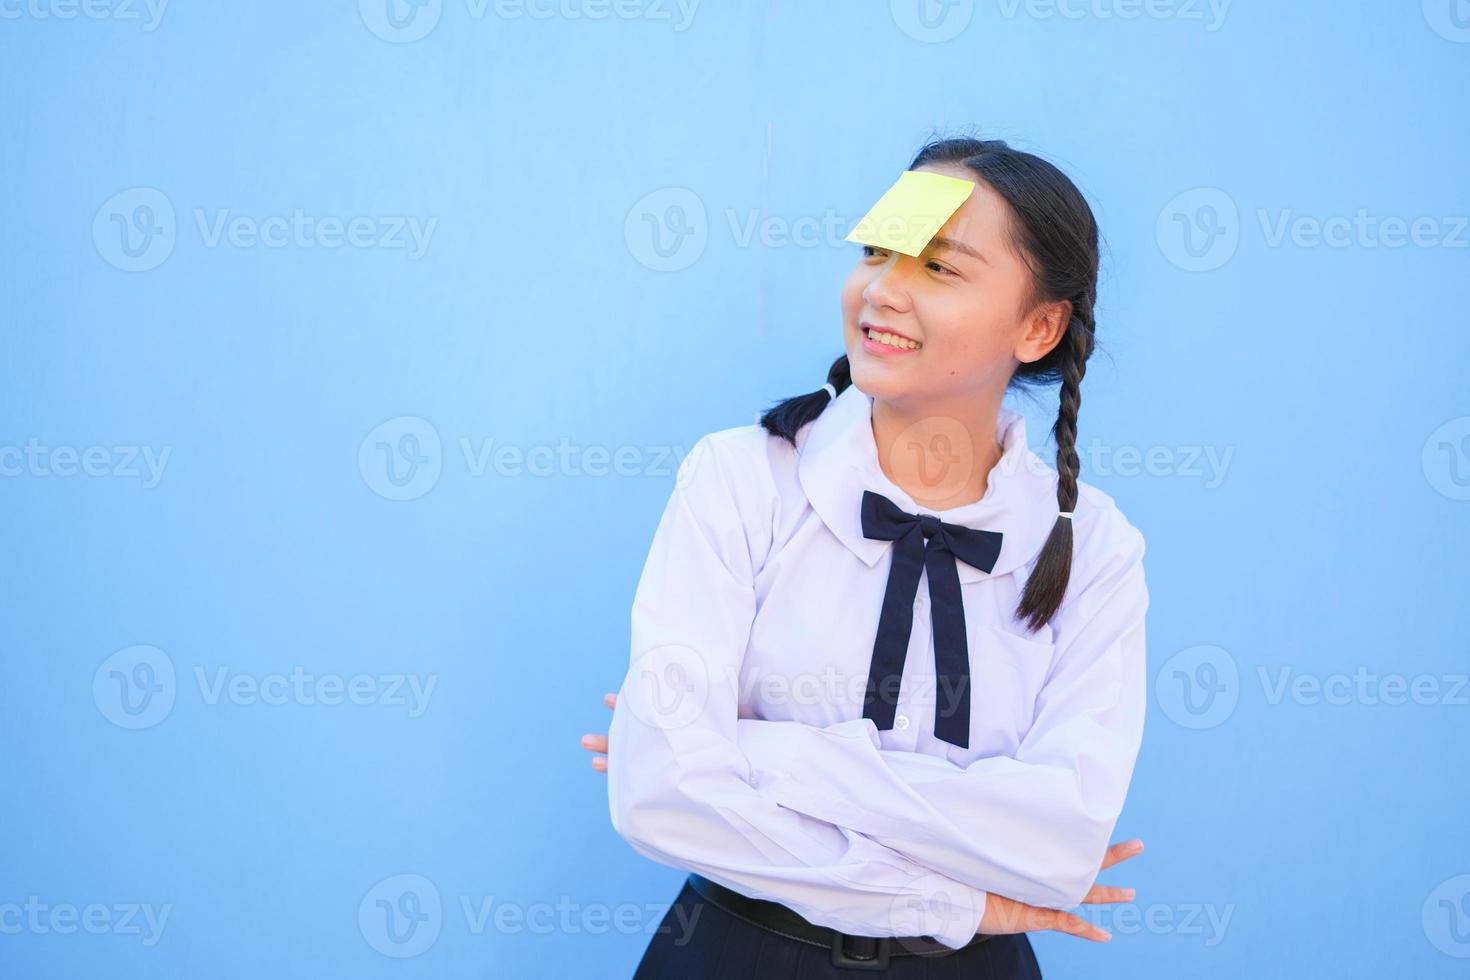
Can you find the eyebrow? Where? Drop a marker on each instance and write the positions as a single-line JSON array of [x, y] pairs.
[[939, 241]]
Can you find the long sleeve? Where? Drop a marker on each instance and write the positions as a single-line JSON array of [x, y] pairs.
[[678, 785], [1033, 827]]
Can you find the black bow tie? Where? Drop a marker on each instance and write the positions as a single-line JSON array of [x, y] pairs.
[[883, 519]]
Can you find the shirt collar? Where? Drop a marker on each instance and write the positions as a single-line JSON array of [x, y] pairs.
[[839, 460]]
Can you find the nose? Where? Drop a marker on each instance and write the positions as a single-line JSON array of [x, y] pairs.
[[890, 286]]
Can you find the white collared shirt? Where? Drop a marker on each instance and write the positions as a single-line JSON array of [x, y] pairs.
[[739, 750]]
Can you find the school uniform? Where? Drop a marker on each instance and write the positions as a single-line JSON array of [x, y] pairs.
[[830, 705]]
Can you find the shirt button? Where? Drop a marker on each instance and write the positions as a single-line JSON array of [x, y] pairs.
[[919, 605], [901, 722]]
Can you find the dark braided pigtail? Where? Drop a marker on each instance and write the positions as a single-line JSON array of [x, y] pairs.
[[786, 418], [1054, 230], [1047, 584]]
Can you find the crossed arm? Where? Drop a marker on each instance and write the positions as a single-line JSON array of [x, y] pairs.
[[852, 836]]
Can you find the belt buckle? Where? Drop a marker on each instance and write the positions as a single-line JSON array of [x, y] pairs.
[[840, 956]]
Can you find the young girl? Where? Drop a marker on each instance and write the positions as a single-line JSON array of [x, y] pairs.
[[887, 679]]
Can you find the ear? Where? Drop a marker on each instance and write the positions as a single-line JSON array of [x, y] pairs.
[[1045, 326]]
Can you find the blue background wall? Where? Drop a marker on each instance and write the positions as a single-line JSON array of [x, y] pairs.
[[270, 459]]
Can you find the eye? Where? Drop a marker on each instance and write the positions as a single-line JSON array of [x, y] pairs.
[[871, 251], [941, 268]]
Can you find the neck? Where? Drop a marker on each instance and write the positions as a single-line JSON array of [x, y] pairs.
[[940, 455]]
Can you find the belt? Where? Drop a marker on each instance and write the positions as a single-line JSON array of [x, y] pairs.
[[853, 952]]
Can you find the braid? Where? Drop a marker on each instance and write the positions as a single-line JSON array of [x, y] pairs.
[[1047, 585], [787, 418]]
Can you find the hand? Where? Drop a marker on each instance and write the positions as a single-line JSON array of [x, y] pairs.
[[1002, 915], [598, 743], [1006, 915]]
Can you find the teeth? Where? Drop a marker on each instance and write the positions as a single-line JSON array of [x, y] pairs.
[[891, 340]]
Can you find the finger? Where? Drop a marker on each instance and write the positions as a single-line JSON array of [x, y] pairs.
[[596, 743], [1122, 851], [611, 700], [1099, 894], [1075, 926], [599, 762]]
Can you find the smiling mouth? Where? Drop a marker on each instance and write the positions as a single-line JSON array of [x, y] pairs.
[[887, 339]]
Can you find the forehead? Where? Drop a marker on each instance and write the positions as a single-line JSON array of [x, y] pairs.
[[981, 220]]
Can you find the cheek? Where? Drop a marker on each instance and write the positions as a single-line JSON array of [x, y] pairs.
[[971, 343], [852, 296]]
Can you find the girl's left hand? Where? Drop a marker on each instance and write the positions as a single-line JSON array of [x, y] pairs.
[[598, 743]]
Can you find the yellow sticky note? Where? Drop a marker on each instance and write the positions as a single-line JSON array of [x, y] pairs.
[[911, 211]]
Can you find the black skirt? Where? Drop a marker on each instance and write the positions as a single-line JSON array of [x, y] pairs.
[[697, 940]]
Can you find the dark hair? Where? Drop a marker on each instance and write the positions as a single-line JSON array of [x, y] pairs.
[[1054, 231]]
